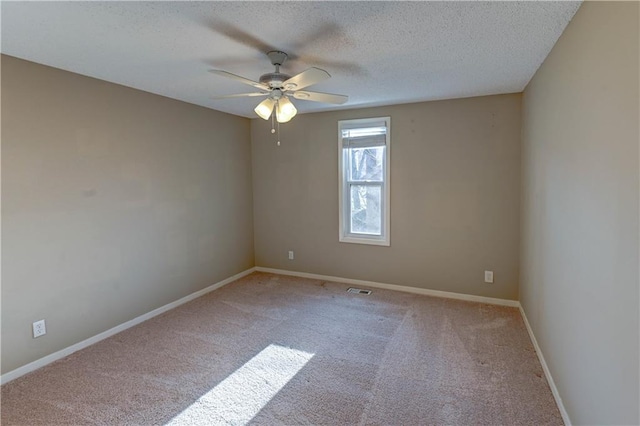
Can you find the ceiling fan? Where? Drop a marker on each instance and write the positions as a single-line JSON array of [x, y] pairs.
[[278, 87]]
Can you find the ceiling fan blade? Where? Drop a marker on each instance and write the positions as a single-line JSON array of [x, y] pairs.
[[240, 95], [306, 78], [321, 97], [240, 79]]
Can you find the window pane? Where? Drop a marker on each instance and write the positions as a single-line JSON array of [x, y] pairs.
[[366, 203], [366, 163]]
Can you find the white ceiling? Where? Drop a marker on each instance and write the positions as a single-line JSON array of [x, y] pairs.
[[378, 53]]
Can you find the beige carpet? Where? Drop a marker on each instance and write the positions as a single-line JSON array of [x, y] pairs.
[[271, 349]]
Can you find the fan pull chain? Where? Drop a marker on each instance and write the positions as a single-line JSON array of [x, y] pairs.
[[273, 130], [275, 111]]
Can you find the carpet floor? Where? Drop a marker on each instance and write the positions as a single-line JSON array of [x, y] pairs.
[[270, 349]]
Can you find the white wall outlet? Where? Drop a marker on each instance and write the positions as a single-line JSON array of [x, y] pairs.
[[290, 254], [39, 329], [488, 276]]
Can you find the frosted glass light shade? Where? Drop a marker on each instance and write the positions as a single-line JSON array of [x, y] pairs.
[[285, 110], [265, 108]]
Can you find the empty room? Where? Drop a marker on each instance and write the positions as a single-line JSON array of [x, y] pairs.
[[320, 213]]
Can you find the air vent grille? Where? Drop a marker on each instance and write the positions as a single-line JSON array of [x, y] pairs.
[[358, 291]]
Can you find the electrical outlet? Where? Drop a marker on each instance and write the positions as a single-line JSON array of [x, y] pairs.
[[39, 329], [488, 276], [290, 254]]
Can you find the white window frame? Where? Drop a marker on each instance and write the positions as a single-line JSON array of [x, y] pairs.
[[344, 202]]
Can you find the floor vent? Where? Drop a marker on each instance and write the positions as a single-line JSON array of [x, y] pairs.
[[358, 291]]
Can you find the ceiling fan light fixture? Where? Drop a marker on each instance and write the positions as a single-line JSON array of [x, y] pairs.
[[265, 108], [285, 110]]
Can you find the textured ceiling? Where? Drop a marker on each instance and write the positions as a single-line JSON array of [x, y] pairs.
[[378, 53]]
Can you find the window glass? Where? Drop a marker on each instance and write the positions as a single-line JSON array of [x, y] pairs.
[[366, 203], [366, 164]]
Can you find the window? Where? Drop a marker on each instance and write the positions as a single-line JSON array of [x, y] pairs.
[[363, 167]]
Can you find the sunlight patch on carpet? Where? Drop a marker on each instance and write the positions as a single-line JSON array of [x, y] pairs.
[[239, 397]]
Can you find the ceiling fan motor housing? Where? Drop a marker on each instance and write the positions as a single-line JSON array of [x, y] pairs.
[[274, 79]]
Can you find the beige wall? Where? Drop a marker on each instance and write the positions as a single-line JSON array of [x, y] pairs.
[[455, 194], [114, 202], [579, 273]]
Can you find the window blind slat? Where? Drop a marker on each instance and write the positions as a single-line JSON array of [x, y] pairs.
[[364, 141], [369, 125], [356, 135]]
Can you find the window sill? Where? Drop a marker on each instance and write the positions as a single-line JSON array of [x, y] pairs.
[[364, 240]]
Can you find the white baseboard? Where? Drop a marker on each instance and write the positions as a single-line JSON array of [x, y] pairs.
[[21, 371], [406, 289], [547, 373]]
